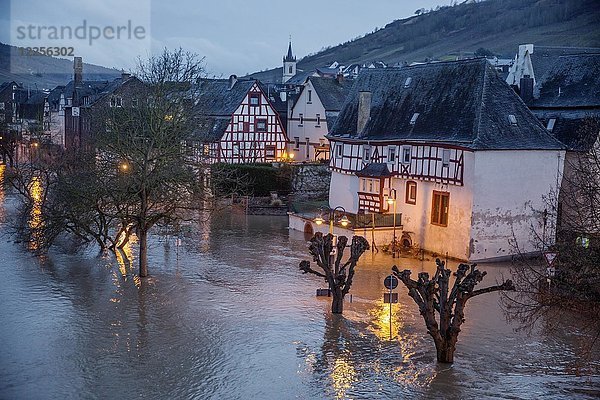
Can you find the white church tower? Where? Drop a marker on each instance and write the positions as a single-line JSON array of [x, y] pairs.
[[289, 64]]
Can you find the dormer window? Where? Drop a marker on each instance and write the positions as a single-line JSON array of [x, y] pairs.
[[413, 120], [407, 82], [550, 125], [512, 119]]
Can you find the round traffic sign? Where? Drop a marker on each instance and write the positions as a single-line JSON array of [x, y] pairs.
[[390, 282]]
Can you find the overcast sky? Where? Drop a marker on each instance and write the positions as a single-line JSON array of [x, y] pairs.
[[235, 36]]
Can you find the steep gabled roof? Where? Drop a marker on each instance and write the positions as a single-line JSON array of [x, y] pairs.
[[573, 81], [544, 58], [460, 102], [577, 129], [332, 92], [216, 98]]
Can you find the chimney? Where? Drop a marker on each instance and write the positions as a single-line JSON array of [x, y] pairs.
[[232, 80], [364, 110], [526, 89], [78, 70], [125, 76], [340, 77]]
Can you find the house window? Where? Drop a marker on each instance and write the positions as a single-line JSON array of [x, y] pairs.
[[550, 126], [116, 101], [439, 208], [407, 82], [339, 151], [301, 120], [254, 99], [413, 120], [318, 119], [307, 147], [309, 97], [261, 125], [270, 152], [368, 185], [445, 158], [236, 149], [366, 153], [411, 192], [86, 100], [391, 154], [296, 143], [406, 154], [512, 119]]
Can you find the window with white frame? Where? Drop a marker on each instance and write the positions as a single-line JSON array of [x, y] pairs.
[[366, 153], [391, 154], [369, 185], [446, 158], [406, 151], [339, 150]]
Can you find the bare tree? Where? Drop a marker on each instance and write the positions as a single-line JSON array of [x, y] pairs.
[[338, 275], [435, 295]]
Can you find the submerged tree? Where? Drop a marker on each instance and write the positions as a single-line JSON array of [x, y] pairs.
[[337, 274], [435, 295]]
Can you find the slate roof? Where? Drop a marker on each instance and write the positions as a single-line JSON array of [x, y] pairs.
[[216, 103], [374, 170], [459, 102], [577, 129], [543, 58], [577, 77], [331, 92], [300, 77]]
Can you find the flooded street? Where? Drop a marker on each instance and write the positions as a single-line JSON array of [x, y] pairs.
[[229, 316]]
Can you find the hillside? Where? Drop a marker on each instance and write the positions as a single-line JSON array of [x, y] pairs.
[[496, 25], [44, 72]]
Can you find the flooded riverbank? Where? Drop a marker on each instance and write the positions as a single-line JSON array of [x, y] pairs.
[[229, 316]]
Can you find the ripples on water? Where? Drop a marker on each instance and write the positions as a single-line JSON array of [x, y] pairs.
[[228, 316]]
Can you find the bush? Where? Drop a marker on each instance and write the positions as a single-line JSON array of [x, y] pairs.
[[256, 179]]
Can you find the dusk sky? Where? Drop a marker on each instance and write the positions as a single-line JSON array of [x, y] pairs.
[[235, 36]]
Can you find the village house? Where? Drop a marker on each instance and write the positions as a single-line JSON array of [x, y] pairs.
[[453, 149], [236, 123], [313, 113]]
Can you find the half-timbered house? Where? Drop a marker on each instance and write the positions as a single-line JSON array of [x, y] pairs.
[[463, 159], [236, 123]]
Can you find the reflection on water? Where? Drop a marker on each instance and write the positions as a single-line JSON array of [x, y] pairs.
[[36, 224], [231, 317]]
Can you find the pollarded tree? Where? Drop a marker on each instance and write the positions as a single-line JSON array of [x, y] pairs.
[[338, 275], [436, 296]]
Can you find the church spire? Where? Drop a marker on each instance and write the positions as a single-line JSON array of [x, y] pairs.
[[290, 56]]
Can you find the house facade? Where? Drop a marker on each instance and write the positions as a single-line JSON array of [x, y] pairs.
[[312, 114], [451, 148], [237, 123]]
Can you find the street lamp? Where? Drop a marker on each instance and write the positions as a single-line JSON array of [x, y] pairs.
[[391, 200], [344, 221]]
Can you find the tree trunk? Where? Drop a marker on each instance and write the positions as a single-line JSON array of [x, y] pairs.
[[143, 237], [445, 352], [337, 305]]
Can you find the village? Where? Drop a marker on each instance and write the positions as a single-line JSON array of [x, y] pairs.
[[453, 158]]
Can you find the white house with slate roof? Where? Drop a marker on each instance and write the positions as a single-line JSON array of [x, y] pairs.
[[314, 111], [469, 163]]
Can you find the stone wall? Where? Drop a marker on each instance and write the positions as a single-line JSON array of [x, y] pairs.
[[311, 181]]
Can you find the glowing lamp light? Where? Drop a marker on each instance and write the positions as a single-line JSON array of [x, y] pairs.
[[319, 220], [291, 156], [390, 201], [344, 221], [124, 167]]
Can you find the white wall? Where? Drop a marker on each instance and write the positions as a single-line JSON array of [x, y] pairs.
[[509, 187], [343, 191], [309, 128]]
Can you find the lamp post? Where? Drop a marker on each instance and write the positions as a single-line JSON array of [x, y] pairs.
[[393, 201], [344, 221]]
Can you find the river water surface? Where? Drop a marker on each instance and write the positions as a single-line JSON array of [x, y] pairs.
[[228, 316]]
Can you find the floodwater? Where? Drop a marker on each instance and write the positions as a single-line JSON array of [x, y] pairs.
[[228, 316]]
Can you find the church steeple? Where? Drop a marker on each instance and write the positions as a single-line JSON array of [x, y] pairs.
[[289, 64]]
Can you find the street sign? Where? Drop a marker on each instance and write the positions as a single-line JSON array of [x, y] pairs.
[[550, 257], [390, 282], [390, 298]]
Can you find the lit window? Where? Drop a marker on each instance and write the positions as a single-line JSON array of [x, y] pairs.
[[512, 119], [254, 99], [406, 154], [446, 158], [439, 208], [391, 154], [411, 192], [550, 126]]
